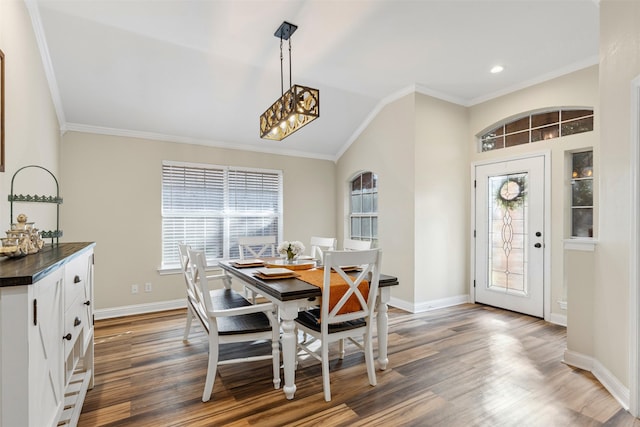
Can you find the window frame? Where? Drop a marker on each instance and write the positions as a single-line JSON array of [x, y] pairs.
[[572, 180], [168, 262], [373, 215]]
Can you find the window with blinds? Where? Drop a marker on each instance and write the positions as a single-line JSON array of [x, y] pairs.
[[209, 207]]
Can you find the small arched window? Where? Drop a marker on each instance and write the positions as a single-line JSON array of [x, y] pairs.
[[538, 126], [364, 207]]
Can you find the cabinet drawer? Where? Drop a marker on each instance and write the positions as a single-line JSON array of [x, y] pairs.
[[76, 279], [74, 323]]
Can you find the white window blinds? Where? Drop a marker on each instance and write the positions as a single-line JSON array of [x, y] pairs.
[[209, 207]]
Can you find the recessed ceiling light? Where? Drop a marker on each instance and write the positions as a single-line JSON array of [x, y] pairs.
[[497, 69]]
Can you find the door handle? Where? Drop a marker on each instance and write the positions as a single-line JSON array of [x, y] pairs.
[[538, 245]]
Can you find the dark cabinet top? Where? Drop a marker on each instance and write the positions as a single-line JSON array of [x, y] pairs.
[[29, 269]]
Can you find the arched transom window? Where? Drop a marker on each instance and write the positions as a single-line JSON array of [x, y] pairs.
[[537, 126]]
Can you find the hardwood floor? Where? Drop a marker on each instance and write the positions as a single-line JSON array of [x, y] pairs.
[[468, 365]]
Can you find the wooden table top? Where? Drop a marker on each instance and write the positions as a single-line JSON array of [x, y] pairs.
[[287, 289]]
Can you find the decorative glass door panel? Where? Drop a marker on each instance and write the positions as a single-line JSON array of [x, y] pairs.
[[507, 232], [509, 224]]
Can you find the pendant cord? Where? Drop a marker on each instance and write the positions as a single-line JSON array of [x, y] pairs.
[[290, 63], [281, 69]]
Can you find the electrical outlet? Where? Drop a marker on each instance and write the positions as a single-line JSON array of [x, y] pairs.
[[147, 287], [134, 289]]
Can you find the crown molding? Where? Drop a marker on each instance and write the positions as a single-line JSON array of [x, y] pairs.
[[76, 127], [36, 22], [594, 60]]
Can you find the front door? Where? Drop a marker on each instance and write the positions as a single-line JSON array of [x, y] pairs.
[[509, 229]]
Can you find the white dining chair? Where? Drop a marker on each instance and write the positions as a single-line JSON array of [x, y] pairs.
[[183, 251], [228, 317], [319, 245], [327, 324], [255, 247], [355, 245]]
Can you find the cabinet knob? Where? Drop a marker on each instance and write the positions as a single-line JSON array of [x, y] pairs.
[[76, 321], [77, 279], [67, 337], [87, 303], [538, 245]]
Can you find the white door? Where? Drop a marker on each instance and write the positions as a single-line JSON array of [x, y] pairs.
[[509, 229]]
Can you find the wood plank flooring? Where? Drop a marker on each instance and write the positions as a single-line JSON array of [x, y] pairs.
[[468, 365]]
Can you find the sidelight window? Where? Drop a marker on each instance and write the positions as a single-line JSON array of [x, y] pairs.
[[582, 194]]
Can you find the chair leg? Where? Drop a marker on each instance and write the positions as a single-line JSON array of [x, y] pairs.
[[342, 348], [187, 329], [368, 357], [326, 384], [211, 369]]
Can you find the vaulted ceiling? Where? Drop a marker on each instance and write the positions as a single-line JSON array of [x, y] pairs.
[[202, 71]]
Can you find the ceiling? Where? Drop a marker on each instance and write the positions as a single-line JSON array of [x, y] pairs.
[[202, 72]]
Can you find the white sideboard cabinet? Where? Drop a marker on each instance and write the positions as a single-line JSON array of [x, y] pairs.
[[46, 335]]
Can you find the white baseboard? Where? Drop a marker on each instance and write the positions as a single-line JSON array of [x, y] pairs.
[[578, 360], [428, 305], [612, 384], [128, 310], [558, 319], [602, 374]]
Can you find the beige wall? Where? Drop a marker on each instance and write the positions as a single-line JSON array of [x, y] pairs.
[[416, 146], [387, 148], [580, 288], [578, 89], [619, 65], [31, 125], [441, 201], [112, 190]]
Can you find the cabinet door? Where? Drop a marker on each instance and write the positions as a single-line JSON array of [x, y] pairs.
[[46, 395]]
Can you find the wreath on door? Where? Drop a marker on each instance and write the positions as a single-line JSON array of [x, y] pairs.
[[511, 192]]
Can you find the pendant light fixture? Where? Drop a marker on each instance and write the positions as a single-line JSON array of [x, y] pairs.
[[296, 107]]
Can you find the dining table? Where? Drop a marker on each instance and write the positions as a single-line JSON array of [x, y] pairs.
[[291, 295]]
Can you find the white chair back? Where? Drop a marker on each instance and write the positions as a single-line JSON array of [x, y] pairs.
[[355, 245], [257, 246], [198, 285], [319, 245], [198, 277], [369, 263], [187, 272]]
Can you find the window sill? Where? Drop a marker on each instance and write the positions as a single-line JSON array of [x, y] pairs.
[[167, 271], [586, 244]]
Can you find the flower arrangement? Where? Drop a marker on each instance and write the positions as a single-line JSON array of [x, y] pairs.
[[290, 249]]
